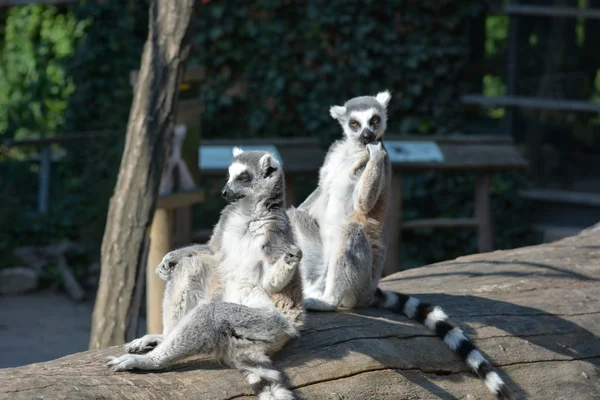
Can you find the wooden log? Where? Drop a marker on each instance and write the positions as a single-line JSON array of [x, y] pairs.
[[533, 310]]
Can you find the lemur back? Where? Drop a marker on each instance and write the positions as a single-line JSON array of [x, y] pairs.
[[239, 297]]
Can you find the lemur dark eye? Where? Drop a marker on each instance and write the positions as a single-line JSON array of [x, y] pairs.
[[375, 120], [353, 123], [244, 177]]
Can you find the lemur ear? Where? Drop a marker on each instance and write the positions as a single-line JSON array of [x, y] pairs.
[[237, 151], [383, 98], [337, 111], [268, 165]]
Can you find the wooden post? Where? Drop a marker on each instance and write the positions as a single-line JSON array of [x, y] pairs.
[[392, 259], [44, 189], [483, 212], [161, 242], [290, 190]]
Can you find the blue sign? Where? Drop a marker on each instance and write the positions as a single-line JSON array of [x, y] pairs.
[[217, 157], [416, 151]]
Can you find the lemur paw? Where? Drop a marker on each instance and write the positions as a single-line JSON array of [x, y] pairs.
[[170, 261], [123, 363], [376, 149], [293, 256], [310, 303], [143, 345]]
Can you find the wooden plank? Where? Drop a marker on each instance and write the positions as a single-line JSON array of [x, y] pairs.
[[161, 242], [461, 152], [46, 141], [531, 102], [201, 235], [472, 158], [483, 213], [454, 138], [561, 196], [547, 11], [181, 199], [439, 223]]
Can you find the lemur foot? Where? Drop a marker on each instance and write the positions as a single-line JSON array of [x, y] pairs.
[[293, 256], [144, 344], [124, 362], [312, 303], [170, 261]]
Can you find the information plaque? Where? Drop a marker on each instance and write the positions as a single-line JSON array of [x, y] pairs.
[[415, 151], [217, 157]]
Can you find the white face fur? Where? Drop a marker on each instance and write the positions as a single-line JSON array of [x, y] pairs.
[[363, 118]]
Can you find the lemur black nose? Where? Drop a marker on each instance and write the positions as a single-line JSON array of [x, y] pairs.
[[225, 193], [367, 136]]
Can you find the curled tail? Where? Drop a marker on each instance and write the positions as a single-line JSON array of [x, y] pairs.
[[437, 321], [265, 380]]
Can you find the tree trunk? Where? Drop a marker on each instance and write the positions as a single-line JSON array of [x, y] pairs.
[[126, 240]]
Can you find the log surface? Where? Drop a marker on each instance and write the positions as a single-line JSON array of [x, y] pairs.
[[535, 311]]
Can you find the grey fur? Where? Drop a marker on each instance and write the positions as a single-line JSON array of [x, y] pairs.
[[238, 305], [341, 229], [343, 267], [340, 225]]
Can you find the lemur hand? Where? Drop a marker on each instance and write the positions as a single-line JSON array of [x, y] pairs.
[[376, 150], [170, 260], [293, 256]]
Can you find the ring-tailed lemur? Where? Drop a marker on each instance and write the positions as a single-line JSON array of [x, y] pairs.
[[240, 296], [341, 226]]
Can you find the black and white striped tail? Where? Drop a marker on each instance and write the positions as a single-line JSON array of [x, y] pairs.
[[265, 380], [437, 321]]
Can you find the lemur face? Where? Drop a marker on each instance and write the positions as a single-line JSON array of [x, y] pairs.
[[251, 174], [363, 118]]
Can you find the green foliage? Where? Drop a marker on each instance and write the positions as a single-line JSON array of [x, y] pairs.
[[74, 66], [34, 86], [272, 69], [292, 62]]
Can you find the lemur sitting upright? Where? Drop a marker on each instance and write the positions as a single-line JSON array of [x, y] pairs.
[[341, 229], [240, 296]]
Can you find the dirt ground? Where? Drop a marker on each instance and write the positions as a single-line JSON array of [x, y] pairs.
[[42, 326]]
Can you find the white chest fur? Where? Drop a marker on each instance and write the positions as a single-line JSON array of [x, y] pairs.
[[242, 260], [338, 183]]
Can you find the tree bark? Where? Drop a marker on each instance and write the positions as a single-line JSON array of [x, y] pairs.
[[534, 311], [126, 236]]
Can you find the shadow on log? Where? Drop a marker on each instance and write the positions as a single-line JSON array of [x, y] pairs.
[[535, 311]]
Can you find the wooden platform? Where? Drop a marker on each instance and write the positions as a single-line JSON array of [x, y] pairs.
[[535, 311]]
